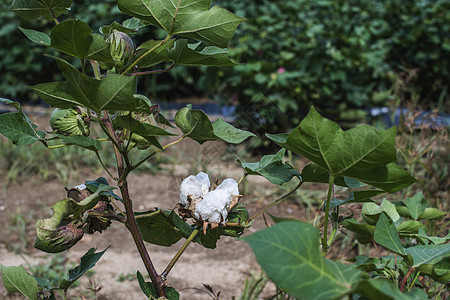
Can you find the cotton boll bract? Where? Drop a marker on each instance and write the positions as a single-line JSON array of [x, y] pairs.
[[214, 206]]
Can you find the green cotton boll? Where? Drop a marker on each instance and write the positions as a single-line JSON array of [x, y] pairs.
[[61, 239], [122, 48], [70, 121]]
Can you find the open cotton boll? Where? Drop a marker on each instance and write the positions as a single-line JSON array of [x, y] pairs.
[[230, 185], [213, 207], [196, 186], [203, 178]]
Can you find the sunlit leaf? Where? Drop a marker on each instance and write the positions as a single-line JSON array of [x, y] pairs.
[[289, 254], [181, 54], [36, 36], [387, 235], [33, 9], [190, 18]]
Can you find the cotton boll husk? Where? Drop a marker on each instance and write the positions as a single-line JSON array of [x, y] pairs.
[[189, 186], [203, 179], [230, 185], [213, 207]]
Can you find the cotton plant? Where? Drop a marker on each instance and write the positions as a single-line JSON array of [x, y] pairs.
[[205, 205]]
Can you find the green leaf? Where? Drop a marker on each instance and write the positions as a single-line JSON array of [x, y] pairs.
[[157, 227], [182, 54], [15, 127], [74, 37], [409, 227], [229, 133], [101, 182], [36, 36], [356, 197], [82, 141], [387, 236], [363, 232], [430, 213], [16, 279], [289, 254], [428, 254], [113, 92], [371, 211], [143, 129], [88, 261], [34, 9], [416, 205], [190, 18], [128, 26], [380, 289], [158, 55], [272, 168], [149, 290], [363, 153], [196, 125]]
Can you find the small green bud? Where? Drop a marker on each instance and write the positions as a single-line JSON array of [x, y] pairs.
[[70, 121], [122, 48]]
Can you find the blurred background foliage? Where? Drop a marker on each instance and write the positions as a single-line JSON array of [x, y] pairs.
[[342, 56]]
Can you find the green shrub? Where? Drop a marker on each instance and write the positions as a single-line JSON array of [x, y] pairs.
[[339, 55]]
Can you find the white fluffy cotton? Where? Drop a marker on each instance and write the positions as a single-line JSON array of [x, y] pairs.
[[213, 207], [196, 186], [229, 185]]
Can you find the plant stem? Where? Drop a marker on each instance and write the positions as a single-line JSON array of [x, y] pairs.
[[327, 213], [104, 166], [130, 222], [242, 178], [146, 53], [179, 253], [402, 286], [156, 152], [274, 202], [154, 71]]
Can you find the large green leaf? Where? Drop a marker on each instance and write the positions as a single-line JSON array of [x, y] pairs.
[[16, 279], [190, 18], [428, 254], [33, 9], [74, 37], [197, 126], [363, 232], [272, 168], [17, 126], [289, 254], [363, 153], [113, 92], [387, 236], [183, 54], [88, 261], [158, 55]]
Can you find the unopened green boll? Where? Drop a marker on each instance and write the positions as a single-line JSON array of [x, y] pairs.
[[122, 49], [70, 121]]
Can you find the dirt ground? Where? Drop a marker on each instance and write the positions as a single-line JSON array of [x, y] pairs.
[[224, 268]]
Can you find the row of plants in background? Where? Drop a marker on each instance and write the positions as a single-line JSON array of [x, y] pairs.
[[341, 56], [293, 254], [330, 53]]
